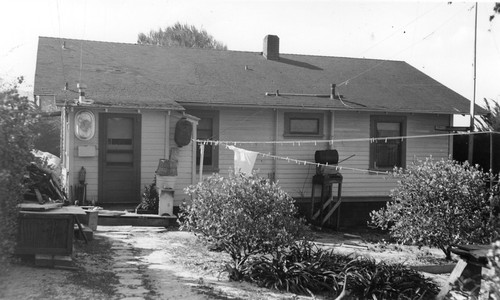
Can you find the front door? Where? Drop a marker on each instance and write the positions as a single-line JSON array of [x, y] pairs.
[[119, 158]]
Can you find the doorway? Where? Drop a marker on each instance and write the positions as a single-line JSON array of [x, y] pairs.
[[119, 158]]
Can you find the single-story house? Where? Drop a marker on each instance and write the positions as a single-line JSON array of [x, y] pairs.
[[120, 104]]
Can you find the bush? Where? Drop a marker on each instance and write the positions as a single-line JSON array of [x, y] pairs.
[[439, 204], [493, 277], [150, 196], [306, 269], [242, 215], [16, 143]]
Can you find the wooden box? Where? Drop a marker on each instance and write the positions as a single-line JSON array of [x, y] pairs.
[[45, 234]]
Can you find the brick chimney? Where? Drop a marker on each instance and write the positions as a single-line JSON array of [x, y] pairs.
[[271, 47]]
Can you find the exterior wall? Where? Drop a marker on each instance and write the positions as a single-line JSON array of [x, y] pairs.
[[156, 127], [75, 162], [260, 125], [185, 176]]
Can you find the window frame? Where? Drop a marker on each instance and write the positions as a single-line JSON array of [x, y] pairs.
[[374, 120], [214, 115], [288, 116]]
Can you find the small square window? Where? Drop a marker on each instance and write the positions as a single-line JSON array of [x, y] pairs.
[[303, 124]]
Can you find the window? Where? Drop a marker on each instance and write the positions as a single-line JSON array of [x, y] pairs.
[[390, 153], [303, 124], [208, 129]]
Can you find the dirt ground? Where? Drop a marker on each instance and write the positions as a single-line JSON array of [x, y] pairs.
[[125, 262]]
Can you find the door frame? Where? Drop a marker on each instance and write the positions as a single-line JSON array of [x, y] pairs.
[[102, 129]]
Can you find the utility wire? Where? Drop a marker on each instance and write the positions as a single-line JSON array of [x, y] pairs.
[[345, 82]]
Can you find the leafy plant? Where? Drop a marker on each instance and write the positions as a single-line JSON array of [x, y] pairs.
[[149, 199], [16, 142], [307, 269], [243, 215], [493, 277], [439, 203]]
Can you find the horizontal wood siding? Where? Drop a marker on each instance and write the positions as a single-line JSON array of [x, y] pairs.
[[246, 125], [152, 145], [76, 162], [295, 178], [184, 168]]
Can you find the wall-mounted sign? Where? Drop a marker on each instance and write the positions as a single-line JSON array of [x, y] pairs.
[[84, 125]]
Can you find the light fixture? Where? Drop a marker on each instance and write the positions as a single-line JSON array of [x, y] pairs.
[[84, 125]]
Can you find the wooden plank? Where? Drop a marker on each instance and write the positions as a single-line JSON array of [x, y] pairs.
[[331, 212], [457, 272], [38, 207]]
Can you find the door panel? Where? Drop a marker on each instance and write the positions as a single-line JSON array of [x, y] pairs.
[[119, 158]]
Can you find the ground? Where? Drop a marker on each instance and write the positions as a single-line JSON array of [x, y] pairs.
[[125, 262]]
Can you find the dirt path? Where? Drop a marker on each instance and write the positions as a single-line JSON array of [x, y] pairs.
[[138, 276]]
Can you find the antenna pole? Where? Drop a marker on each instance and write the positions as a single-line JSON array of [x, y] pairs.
[[473, 102]]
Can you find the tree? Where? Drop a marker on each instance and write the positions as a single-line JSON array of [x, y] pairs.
[[496, 10], [439, 204], [17, 117], [491, 121], [181, 35]]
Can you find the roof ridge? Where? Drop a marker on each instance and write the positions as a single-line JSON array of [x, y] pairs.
[[217, 50]]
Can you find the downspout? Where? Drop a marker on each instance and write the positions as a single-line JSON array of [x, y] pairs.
[[275, 146], [167, 135], [193, 150], [331, 129]]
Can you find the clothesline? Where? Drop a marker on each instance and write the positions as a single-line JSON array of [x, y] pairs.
[[371, 140], [305, 162]]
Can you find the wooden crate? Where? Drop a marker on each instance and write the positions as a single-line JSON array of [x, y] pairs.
[[45, 234]]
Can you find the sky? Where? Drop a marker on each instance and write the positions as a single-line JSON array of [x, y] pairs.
[[435, 37]]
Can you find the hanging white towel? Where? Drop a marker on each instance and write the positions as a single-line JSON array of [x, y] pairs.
[[243, 160]]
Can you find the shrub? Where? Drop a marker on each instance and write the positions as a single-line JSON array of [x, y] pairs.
[[439, 203], [242, 215], [493, 277], [16, 140], [306, 269], [150, 196]]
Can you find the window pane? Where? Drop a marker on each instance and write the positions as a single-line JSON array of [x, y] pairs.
[[387, 153], [385, 129], [310, 126], [205, 132]]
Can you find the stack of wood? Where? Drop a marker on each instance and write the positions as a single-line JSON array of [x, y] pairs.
[[42, 185]]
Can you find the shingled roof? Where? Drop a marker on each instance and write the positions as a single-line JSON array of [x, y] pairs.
[[170, 77]]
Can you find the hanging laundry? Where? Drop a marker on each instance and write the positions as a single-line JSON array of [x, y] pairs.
[[243, 160]]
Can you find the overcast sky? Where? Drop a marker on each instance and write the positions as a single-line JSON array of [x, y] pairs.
[[435, 37]]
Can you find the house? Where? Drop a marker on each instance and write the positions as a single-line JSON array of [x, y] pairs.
[[120, 104]]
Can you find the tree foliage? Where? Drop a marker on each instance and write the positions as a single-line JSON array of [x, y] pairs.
[[181, 35], [491, 121], [439, 204], [48, 135], [496, 10], [16, 142], [242, 215]]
